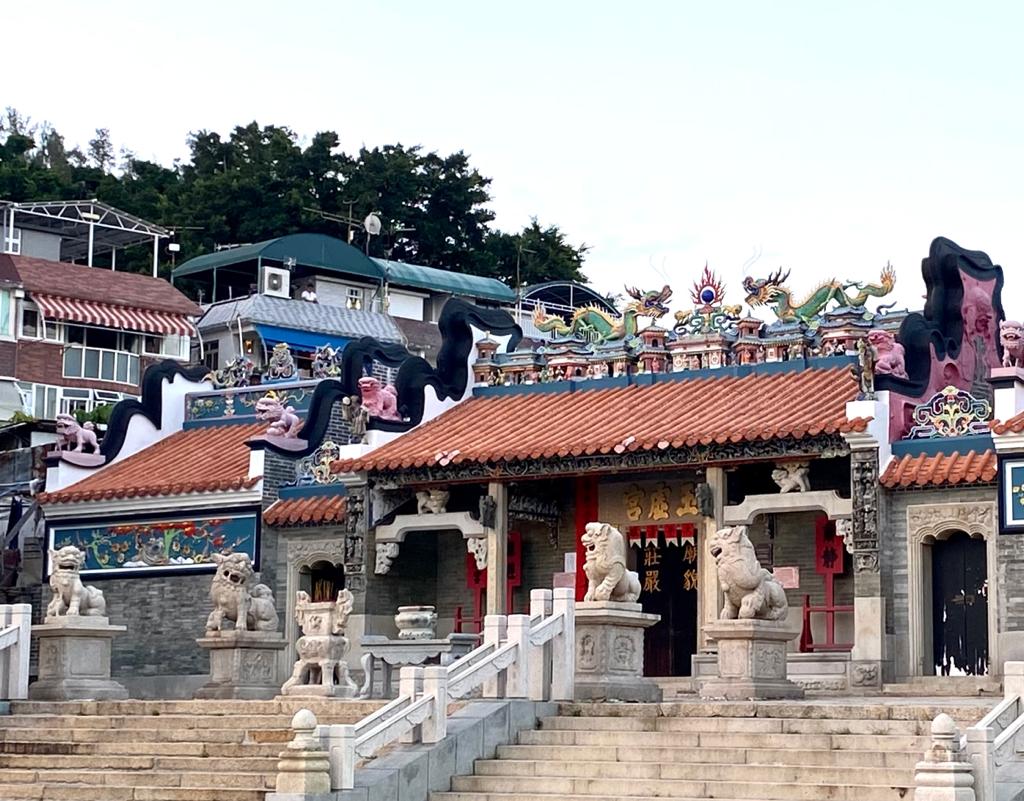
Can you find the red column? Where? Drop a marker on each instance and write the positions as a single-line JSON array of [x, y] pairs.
[[586, 512]]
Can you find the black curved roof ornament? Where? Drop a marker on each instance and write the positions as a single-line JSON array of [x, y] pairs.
[[450, 379], [150, 405], [941, 325]]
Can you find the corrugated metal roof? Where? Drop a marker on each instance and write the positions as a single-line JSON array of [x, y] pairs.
[[302, 316], [309, 250], [472, 286]]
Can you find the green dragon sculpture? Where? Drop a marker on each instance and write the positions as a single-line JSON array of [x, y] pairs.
[[597, 326], [770, 292]]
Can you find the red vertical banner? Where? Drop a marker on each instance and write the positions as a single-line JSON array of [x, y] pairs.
[[586, 512]]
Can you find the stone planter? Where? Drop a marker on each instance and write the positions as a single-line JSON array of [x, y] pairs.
[[416, 622]]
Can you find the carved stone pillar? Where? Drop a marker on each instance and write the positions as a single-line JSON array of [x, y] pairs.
[[497, 549], [868, 653], [709, 600]]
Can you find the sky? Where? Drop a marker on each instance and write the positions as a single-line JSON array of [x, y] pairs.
[[826, 138]]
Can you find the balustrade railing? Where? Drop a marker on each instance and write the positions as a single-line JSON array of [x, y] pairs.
[[522, 656], [15, 629], [992, 744]]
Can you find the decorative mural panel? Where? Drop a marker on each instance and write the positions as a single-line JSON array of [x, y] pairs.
[[232, 404], [315, 469], [1011, 495], [951, 412], [141, 547]]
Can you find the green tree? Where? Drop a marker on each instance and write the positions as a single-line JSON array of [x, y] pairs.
[[541, 254]]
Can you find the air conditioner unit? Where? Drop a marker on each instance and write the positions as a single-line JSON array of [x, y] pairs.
[[276, 282]]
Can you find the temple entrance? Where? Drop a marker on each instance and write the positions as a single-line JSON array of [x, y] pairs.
[[666, 560], [959, 606]]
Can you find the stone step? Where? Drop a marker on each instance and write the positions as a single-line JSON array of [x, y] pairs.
[[525, 786], [962, 710], [144, 721], [146, 778], [863, 742], [109, 792], [709, 772], [944, 686], [742, 725], [154, 761], [902, 760], [344, 710], [142, 748], [169, 734]]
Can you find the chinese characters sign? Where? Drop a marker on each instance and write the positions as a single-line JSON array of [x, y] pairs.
[[660, 502], [158, 545]]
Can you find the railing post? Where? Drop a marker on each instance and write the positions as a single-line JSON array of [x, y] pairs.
[[981, 755], [539, 661], [435, 685], [563, 650], [517, 675], [14, 658], [494, 634], [410, 683], [339, 741]]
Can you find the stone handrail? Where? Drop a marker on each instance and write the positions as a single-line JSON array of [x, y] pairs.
[[522, 656], [991, 742], [15, 632]]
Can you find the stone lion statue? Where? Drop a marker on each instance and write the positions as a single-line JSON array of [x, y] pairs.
[[890, 356], [283, 420], [792, 477], [432, 501], [380, 401], [74, 437], [607, 576], [1011, 337], [751, 592], [70, 596], [235, 598]]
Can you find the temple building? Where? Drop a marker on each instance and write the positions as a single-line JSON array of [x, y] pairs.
[[876, 456]]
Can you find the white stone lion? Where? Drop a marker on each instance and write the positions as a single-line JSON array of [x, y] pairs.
[[70, 596], [607, 576], [74, 437], [234, 597], [751, 592]]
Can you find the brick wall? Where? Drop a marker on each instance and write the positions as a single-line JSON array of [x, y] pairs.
[[8, 358], [43, 363]]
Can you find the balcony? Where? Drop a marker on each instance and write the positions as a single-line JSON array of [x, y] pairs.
[[101, 364]]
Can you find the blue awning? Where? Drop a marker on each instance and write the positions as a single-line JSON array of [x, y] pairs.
[[299, 340]]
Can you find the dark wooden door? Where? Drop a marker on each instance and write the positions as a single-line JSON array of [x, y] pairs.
[[960, 606], [668, 578]]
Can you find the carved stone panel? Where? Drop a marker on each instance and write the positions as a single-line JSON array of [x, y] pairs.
[[864, 477]]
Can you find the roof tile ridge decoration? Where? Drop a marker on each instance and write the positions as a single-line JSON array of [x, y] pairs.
[[306, 511], [206, 459], [1012, 425], [942, 469], [720, 410]]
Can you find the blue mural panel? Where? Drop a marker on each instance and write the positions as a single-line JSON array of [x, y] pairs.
[[150, 546], [235, 404], [1012, 495]]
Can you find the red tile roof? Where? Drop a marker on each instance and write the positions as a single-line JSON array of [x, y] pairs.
[[93, 283], [195, 460], [310, 511], [1012, 426], [940, 470], [535, 425]]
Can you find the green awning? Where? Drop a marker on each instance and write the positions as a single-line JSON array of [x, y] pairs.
[[471, 286], [308, 250]]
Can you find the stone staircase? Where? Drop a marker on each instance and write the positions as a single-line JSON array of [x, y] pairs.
[[151, 750], [781, 751]]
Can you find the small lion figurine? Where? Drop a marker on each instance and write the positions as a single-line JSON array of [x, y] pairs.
[[432, 501], [235, 598], [890, 355], [751, 592], [792, 477], [607, 576], [1011, 337], [70, 596]]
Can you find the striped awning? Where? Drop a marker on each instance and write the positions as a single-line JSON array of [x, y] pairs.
[[110, 316]]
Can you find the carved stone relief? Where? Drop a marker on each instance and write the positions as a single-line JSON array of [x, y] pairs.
[[864, 470]]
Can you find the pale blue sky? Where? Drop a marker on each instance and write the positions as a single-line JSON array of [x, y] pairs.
[[829, 137]]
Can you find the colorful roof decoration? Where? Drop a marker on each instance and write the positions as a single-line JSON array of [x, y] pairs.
[[950, 412], [204, 459], [671, 413], [313, 510], [940, 470]]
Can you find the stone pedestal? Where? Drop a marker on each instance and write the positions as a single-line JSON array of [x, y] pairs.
[[74, 660], [243, 664], [751, 660], [610, 652]]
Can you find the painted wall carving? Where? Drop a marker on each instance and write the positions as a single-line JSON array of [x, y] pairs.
[[864, 470], [928, 521], [242, 402], [951, 412], [158, 545]]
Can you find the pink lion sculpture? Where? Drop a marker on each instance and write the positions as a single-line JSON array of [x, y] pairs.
[[1011, 337], [890, 357], [380, 401]]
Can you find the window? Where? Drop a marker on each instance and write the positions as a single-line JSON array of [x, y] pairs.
[[75, 400], [30, 323], [6, 313], [354, 298], [12, 239], [105, 365], [76, 334], [211, 356]]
